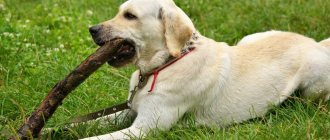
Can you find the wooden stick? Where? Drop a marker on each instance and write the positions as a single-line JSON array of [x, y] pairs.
[[36, 121]]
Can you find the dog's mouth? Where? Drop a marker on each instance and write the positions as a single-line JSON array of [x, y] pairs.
[[124, 55]]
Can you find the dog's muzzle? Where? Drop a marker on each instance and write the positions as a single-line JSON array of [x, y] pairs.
[[123, 56]]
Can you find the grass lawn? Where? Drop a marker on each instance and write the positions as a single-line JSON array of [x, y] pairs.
[[43, 40]]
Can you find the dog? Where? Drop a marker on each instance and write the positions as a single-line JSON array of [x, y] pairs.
[[218, 83], [326, 42]]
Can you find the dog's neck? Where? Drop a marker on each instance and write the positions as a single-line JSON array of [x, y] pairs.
[[144, 76], [160, 58]]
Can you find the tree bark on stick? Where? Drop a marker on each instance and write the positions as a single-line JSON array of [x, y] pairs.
[[33, 124]]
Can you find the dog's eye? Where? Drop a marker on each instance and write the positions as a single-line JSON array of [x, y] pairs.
[[130, 16]]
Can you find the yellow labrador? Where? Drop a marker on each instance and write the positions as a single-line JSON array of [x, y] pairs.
[[219, 84], [326, 42]]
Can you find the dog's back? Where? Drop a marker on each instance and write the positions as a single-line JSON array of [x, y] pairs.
[[326, 42]]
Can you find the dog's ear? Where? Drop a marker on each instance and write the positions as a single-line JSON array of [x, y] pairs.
[[178, 28]]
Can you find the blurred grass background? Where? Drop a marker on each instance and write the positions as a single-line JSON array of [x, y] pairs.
[[43, 40]]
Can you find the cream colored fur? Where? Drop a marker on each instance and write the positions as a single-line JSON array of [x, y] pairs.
[[326, 42], [219, 84]]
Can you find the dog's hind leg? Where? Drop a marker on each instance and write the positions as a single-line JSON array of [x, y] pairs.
[[319, 91], [326, 94], [316, 85]]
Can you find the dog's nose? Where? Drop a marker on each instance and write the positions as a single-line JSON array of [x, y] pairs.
[[94, 30]]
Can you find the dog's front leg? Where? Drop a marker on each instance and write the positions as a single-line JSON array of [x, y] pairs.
[[152, 114]]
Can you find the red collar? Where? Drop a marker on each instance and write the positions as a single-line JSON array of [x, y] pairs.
[[170, 62]]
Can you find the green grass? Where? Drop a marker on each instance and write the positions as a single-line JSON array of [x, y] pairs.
[[43, 40]]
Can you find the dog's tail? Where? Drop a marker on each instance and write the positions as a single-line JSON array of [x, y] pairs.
[[326, 42]]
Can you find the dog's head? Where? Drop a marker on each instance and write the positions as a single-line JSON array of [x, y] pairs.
[[149, 26]]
